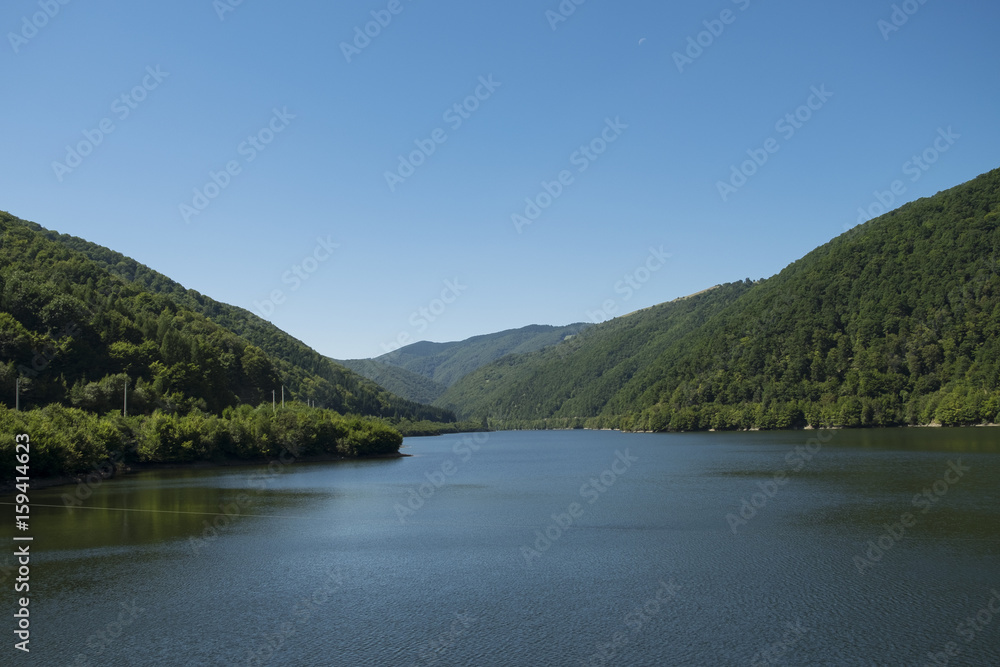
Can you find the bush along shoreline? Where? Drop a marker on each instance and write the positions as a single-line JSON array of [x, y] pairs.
[[68, 442]]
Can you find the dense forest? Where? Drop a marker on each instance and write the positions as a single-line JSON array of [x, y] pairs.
[[398, 380], [423, 371], [69, 441], [77, 341], [308, 375], [896, 322]]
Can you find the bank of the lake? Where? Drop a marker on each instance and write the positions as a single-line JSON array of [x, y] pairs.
[[112, 468]]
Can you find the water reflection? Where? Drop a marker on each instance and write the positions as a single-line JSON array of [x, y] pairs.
[[144, 538]]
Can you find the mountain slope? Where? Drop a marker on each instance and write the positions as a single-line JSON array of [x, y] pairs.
[[66, 323], [894, 322], [400, 381], [306, 374], [446, 363], [580, 376], [76, 341]]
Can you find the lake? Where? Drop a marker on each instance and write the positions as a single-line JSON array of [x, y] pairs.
[[536, 548]]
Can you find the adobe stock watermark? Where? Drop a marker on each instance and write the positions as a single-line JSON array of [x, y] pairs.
[[103, 639], [895, 532], [775, 653], [455, 116], [300, 614], [416, 498], [122, 107], [381, 19], [581, 158], [295, 276], [915, 168], [968, 629], [421, 319], [224, 519], [631, 283], [433, 651], [698, 44], [786, 126], [106, 469], [562, 13], [248, 149], [608, 653], [223, 7], [899, 17], [796, 459], [591, 491], [30, 26]]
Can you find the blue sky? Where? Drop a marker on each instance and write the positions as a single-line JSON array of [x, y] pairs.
[[639, 136]]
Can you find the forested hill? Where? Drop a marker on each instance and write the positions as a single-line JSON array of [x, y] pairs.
[[76, 336], [894, 322], [443, 364], [398, 380], [306, 374], [579, 377]]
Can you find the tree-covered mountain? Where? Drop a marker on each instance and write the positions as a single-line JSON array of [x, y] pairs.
[[581, 375], [306, 374], [894, 322], [445, 363], [77, 333], [398, 380]]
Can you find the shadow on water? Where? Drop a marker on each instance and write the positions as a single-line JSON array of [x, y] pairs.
[[157, 506]]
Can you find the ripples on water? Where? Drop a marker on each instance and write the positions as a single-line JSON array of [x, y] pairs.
[[324, 572]]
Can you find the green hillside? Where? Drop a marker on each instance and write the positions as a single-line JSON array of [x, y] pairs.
[[398, 380], [306, 374], [446, 363], [895, 322], [578, 378], [75, 334]]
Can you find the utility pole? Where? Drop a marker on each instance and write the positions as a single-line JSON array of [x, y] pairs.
[[125, 400], [272, 401], [17, 395], [282, 397]]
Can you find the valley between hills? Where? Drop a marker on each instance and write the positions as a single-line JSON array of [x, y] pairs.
[[894, 323]]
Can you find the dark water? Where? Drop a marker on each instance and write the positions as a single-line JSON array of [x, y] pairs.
[[518, 558]]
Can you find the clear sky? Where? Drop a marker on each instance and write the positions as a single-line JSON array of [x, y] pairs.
[[630, 113]]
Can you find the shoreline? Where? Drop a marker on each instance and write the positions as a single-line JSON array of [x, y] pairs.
[[779, 430], [125, 469], [122, 470]]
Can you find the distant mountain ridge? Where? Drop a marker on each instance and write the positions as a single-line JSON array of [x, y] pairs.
[[425, 370], [400, 381]]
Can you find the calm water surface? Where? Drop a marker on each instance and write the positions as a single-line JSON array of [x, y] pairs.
[[537, 548]]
